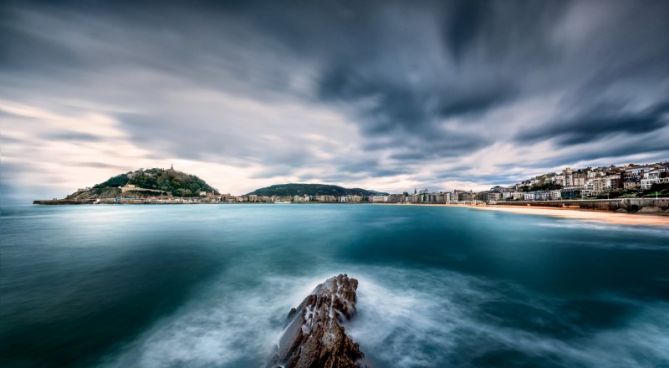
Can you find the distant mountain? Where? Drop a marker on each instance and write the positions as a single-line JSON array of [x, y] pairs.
[[146, 183], [284, 190]]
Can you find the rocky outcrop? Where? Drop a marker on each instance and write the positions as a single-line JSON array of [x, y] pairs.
[[314, 336]]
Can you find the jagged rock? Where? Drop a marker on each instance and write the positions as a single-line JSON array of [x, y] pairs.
[[314, 336]]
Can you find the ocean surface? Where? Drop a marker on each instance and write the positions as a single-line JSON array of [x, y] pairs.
[[211, 285]]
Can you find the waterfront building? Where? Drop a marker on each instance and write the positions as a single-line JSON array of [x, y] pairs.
[[301, 198], [540, 195], [594, 186], [648, 183], [579, 178], [396, 198], [568, 177], [528, 196], [655, 176], [631, 185], [325, 198], [571, 193], [463, 196], [636, 173], [612, 182], [493, 196], [517, 196], [378, 198]]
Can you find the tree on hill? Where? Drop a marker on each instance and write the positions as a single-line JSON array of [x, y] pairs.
[[170, 181], [284, 190]]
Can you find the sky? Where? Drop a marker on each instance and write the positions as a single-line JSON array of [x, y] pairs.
[[385, 95]]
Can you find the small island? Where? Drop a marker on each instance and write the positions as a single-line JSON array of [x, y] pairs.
[[144, 186]]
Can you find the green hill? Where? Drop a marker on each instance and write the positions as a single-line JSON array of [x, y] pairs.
[[284, 190], [145, 183]]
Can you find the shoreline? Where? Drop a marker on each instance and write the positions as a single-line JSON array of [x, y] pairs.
[[607, 217], [598, 216]]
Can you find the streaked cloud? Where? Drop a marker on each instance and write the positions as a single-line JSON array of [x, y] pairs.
[[386, 95]]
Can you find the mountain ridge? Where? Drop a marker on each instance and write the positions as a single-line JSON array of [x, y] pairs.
[[293, 189]]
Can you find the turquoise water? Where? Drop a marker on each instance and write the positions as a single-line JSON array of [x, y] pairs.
[[210, 285]]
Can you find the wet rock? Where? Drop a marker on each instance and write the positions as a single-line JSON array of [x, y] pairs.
[[314, 336]]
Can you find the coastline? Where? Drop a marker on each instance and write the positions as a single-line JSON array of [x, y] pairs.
[[631, 219], [598, 216]]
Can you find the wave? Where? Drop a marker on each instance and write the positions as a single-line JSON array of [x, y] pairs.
[[406, 318], [444, 323], [588, 225]]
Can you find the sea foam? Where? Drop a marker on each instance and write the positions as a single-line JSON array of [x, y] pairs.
[[406, 318]]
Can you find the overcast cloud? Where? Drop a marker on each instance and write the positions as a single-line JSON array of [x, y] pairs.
[[386, 95]]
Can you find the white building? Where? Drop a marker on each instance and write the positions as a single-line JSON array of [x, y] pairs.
[[540, 195], [568, 177], [378, 199], [517, 195], [648, 183], [301, 198], [493, 196], [555, 194], [653, 177]]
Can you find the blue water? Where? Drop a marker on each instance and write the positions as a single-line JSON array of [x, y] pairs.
[[210, 285]]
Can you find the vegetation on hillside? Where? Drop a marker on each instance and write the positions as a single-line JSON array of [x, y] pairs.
[[170, 181], [543, 186], [284, 190], [657, 190]]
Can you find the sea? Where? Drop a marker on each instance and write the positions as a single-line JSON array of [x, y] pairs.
[[211, 285]]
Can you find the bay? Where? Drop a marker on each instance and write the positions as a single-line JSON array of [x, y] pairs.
[[210, 285]]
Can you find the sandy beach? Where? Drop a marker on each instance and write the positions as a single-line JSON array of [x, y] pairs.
[[585, 215], [567, 213]]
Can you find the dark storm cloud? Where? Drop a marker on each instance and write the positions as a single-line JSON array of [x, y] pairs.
[[410, 78], [364, 51], [603, 121], [399, 109], [420, 82], [655, 148], [466, 19]]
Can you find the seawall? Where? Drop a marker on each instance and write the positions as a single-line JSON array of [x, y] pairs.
[[629, 205]]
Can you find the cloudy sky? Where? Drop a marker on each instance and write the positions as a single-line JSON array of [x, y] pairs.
[[386, 95]]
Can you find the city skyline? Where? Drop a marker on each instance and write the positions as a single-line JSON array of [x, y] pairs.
[[385, 96]]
